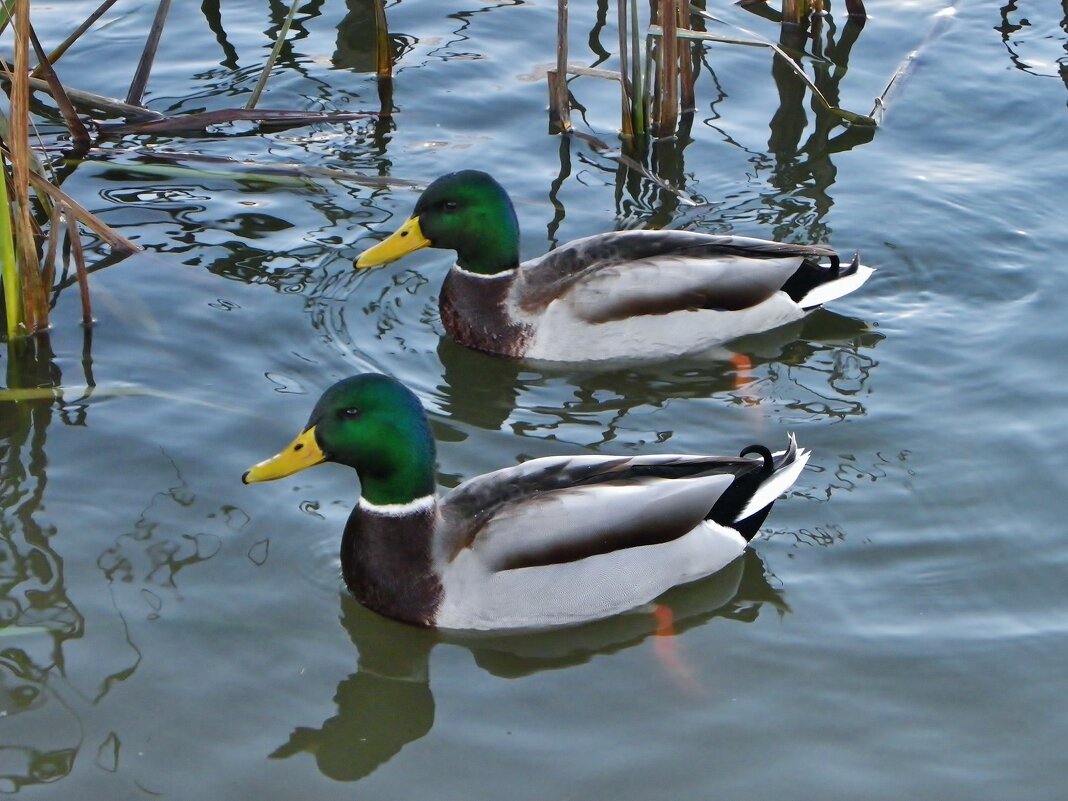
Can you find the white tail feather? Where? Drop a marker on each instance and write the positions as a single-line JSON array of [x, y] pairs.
[[824, 293], [779, 481]]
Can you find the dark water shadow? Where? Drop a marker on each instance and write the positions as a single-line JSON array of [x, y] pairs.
[[388, 703]]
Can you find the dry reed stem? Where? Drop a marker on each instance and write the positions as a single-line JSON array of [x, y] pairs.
[[34, 301], [278, 42], [75, 238], [66, 108], [687, 91], [148, 55], [559, 101], [383, 61], [5, 133], [97, 102], [668, 73], [626, 93], [791, 11], [48, 266]]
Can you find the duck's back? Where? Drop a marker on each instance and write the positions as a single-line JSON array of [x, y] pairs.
[[564, 540], [651, 294]]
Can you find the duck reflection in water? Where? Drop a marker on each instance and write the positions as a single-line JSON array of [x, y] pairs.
[[387, 703], [826, 357]]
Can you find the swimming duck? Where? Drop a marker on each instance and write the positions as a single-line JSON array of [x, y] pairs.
[[553, 541], [621, 295]]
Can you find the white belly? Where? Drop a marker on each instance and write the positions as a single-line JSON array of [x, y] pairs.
[[561, 336], [588, 589]]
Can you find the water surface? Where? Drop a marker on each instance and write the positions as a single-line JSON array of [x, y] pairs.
[[898, 631]]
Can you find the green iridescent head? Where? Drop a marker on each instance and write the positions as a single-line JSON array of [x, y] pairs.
[[465, 211], [369, 422]]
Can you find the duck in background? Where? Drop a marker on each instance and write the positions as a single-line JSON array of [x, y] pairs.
[[612, 296]]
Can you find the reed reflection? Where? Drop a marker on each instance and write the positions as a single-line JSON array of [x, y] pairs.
[[50, 694], [37, 617], [388, 703], [650, 174], [1014, 28], [801, 173]]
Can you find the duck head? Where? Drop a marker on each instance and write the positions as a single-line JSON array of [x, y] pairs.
[[465, 211], [373, 424]]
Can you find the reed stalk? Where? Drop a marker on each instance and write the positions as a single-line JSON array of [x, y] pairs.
[[687, 79], [148, 55], [848, 116], [271, 59], [626, 93], [108, 105], [113, 239], [9, 269], [668, 70], [48, 266], [559, 100], [74, 237], [79, 135], [34, 308], [383, 60], [638, 78]]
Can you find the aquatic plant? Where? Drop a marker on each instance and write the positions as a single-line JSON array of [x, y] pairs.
[[36, 215], [657, 74], [31, 202]]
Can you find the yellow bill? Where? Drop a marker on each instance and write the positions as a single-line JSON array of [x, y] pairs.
[[406, 239], [300, 454]]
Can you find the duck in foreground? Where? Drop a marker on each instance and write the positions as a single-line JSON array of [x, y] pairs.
[[621, 295], [553, 541]]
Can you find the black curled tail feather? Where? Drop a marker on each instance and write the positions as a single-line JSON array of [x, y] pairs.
[[811, 274], [769, 461], [746, 483]]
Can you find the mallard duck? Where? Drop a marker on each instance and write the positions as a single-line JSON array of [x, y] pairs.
[[621, 295], [553, 541]]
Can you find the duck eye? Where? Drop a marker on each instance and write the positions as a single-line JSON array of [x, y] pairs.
[[351, 413], [450, 205]]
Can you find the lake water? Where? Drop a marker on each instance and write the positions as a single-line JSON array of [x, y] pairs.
[[899, 632]]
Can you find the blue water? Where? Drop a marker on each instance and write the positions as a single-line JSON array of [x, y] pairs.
[[898, 631]]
